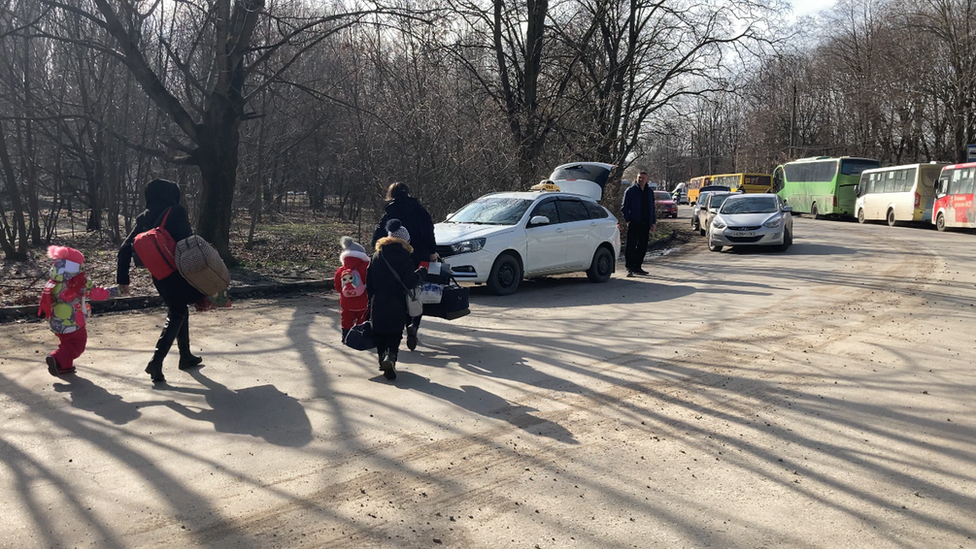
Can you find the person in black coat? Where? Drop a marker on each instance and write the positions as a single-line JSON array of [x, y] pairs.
[[639, 213], [415, 218], [387, 295], [163, 196]]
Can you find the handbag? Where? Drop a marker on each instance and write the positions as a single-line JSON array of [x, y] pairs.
[[453, 304], [360, 337], [414, 306]]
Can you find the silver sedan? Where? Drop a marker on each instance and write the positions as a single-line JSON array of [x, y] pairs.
[[752, 220]]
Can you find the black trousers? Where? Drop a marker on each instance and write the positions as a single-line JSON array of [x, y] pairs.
[[638, 235], [177, 294]]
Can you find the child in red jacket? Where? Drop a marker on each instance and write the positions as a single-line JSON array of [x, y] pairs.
[[350, 282], [65, 303]]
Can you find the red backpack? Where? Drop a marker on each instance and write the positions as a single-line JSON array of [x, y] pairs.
[[157, 250]]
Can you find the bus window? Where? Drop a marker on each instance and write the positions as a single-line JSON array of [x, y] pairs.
[[942, 187], [854, 166], [966, 182]]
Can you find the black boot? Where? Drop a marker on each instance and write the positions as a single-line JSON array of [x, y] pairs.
[[380, 353], [388, 365], [171, 331], [155, 370], [411, 337], [188, 360]]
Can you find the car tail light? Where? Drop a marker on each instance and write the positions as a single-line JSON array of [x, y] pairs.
[[835, 200], [918, 200]]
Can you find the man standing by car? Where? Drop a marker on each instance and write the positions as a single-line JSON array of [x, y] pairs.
[[638, 211]]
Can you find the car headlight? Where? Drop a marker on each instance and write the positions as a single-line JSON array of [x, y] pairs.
[[468, 246], [718, 224], [773, 223]]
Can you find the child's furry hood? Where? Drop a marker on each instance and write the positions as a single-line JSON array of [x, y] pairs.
[[389, 240]]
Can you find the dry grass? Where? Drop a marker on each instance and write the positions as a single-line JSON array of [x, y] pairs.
[[291, 249]]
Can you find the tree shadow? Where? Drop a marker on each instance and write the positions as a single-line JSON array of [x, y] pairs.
[[262, 411], [85, 395], [486, 404]]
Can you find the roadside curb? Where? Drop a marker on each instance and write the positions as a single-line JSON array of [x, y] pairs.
[[29, 312]]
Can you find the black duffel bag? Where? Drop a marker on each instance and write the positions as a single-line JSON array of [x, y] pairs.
[[360, 337], [454, 303]]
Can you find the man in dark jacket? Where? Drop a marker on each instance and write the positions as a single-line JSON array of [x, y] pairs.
[[163, 196], [638, 212], [416, 220]]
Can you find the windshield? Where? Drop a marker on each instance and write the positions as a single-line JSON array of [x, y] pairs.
[[717, 200], [492, 211], [751, 205], [662, 195]]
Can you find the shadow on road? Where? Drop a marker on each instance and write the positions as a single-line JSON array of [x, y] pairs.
[[484, 403], [262, 411], [85, 395]]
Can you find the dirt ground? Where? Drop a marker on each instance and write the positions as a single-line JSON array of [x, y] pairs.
[[817, 398]]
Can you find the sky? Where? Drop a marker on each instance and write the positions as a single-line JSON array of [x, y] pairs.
[[810, 7]]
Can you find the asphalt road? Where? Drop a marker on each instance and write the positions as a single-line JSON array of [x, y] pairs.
[[821, 397]]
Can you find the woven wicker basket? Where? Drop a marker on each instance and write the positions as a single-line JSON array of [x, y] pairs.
[[201, 265]]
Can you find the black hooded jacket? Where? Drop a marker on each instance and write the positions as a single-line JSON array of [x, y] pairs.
[[418, 223], [160, 196]]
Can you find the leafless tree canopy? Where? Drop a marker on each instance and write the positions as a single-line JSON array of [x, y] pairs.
[[885, 79], [246, 103]]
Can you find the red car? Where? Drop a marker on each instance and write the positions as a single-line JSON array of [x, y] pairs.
[[664, 205]]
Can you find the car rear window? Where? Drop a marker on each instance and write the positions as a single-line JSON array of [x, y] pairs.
[[596, 211], [571, 210]]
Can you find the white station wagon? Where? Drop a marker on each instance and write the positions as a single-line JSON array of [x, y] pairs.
[[501, 238]]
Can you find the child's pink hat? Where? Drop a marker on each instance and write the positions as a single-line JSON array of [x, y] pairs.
[[64, 252]]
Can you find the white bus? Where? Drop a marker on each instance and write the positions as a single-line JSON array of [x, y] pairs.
[[898, 193]]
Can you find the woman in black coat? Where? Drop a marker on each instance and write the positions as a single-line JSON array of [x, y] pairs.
[[163, 196], [415, 218], [387, 295]]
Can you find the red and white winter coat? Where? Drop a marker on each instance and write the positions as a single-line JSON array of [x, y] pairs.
[[350, 281]]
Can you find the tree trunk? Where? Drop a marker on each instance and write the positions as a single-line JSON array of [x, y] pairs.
[[217, 158], [14, 241]]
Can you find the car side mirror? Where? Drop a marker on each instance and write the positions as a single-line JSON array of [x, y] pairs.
[[713, 210], [538, 220], [787, 209]]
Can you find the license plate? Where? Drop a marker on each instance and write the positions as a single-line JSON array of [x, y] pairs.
[[743, 233]]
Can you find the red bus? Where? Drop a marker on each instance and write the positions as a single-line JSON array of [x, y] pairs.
[[954, 197]]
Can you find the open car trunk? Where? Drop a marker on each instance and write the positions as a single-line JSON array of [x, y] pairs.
[[583, 178]]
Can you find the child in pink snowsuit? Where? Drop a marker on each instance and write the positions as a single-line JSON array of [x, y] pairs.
[[65, 302], [350, 282]]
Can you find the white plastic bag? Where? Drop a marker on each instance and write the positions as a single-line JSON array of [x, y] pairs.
[[431, 294]]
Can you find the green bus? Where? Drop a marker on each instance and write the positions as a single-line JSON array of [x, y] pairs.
[[821, 185]]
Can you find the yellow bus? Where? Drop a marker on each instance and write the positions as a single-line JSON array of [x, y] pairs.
[[748, 182], [695, 185]]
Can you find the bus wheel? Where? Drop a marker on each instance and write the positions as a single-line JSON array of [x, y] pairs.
[[940, 223], [891, 218], [860, 216], [813, 211]]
